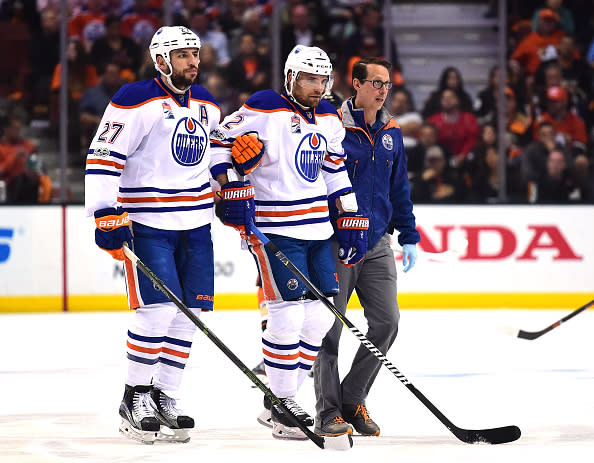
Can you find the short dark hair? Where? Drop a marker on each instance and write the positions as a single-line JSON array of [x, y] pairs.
[[360, 67]]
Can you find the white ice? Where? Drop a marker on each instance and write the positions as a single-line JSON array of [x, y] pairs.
[[61, 380]]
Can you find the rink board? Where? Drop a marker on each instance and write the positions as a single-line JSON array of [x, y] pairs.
[[470, 256]]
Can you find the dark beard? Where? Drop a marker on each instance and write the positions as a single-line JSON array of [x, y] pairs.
[[180, 82]]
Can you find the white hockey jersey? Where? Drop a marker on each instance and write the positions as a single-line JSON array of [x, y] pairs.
[[302, 166], [151, 155]]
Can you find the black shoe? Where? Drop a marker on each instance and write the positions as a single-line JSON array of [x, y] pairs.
[[335, 427], [358, 416]]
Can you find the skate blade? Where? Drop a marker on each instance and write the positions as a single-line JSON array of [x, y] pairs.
[[166, 434], [145, 437], [341, 442], [263, 379], [265, 418], [280, 431]]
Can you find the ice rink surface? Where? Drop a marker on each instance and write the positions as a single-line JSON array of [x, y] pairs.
[[61, 378]]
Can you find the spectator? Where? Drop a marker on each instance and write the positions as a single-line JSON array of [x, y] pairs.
[[140, 24], [482, 172], [438, 183], [95, 100], [584, 181], [458, 129], [208, 62], [81, 75], [534, 158], [517, 125], [44, 55], [370, 26], [527, 56], [88, 26], [225, 96], [25, 183], [403, 109], [370, 48], [428, 135], [565, 17], [249, 70], [577, 74], [484, 104], [565, 122], [201, 24], [451, 79], [299, 30], [115, 47], [557, 183]]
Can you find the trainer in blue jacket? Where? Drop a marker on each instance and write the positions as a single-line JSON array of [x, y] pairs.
[[376, 164]]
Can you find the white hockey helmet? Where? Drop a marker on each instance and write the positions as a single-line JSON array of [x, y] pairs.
[[169, 38], [313, 60]]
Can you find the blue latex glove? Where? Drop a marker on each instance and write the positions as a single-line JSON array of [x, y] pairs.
[[238, 206], [409, 256], [351, 235]]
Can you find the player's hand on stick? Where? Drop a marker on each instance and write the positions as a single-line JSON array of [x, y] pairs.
[[409, 256], [238, 206], [113, 228], [352, 238], [247, 151]]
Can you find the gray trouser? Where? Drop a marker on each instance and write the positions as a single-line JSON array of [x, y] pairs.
[[374, 279]]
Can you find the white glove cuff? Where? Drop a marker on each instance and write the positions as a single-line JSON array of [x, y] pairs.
[[349, 202]]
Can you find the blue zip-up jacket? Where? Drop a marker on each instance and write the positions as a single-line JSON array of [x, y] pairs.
[[379, 175]]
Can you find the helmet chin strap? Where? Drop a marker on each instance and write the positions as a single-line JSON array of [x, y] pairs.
[[289, 90], [168, 78]]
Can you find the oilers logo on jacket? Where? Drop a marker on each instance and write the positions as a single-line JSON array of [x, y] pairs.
[[302, 166], [151, 155]]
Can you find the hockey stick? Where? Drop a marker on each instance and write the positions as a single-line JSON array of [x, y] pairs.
[[336, 443], [470, 436], [530, 335]]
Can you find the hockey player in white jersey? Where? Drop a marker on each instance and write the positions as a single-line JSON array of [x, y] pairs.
[[147, 183], [289, 147]]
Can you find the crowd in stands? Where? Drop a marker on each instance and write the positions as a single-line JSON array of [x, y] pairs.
[[450, 139]]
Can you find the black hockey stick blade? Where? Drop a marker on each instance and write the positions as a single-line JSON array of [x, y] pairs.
[[336, 443], [501, 435], [487, 436], [530, 335]]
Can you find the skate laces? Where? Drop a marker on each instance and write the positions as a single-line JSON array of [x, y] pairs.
[[140, 406], [168, 404], [363, 410], [294, 407], [338, 420]]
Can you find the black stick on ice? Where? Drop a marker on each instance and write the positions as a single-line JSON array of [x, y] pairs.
[[321, 442], [530, 335], [470, 436]]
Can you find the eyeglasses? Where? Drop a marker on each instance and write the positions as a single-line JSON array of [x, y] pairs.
[[378, 84]]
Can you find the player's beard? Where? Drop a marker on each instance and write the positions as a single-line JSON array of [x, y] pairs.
[[179, 80]]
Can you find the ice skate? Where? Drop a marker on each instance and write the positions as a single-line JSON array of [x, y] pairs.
[[260, 373], [283, 427], [265, 417], [175, 424], [138, 418]]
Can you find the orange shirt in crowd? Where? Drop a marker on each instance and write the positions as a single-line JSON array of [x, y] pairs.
[[13, 158], [526, 53], [572, 126], [77, 90], [136, 26], [87, 27]]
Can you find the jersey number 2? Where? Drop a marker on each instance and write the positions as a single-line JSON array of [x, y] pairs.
[[116, 127]]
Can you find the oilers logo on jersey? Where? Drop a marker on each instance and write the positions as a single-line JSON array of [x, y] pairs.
[[309, 156], [189, 142]]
